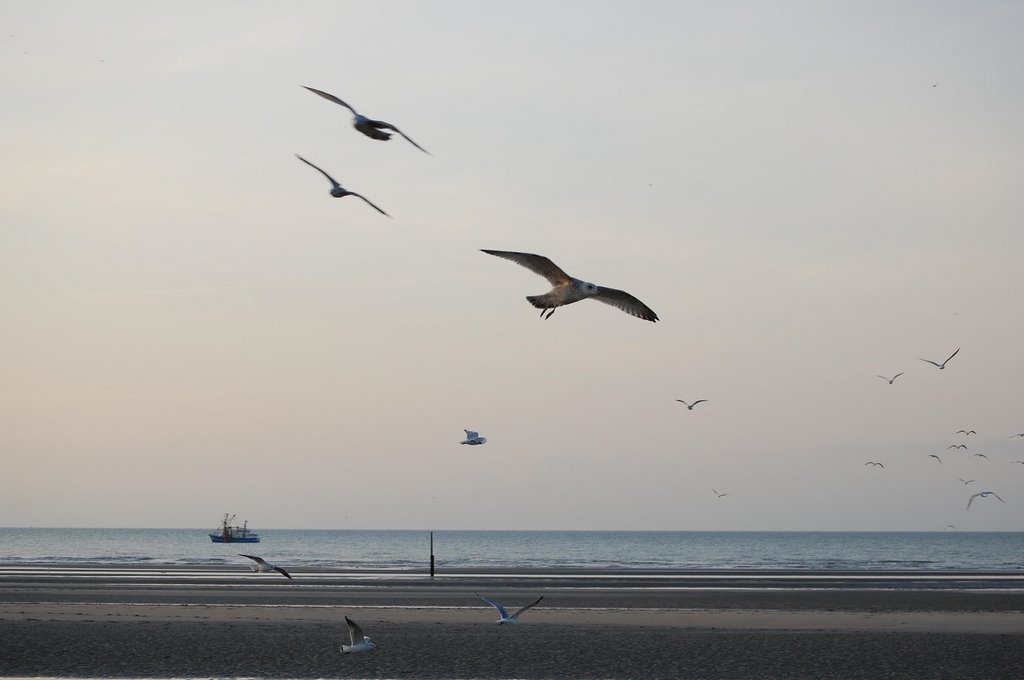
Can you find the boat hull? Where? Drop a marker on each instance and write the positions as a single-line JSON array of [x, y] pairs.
[[251, 538]]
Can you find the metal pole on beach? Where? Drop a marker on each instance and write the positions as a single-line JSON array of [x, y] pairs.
[[431, 554]]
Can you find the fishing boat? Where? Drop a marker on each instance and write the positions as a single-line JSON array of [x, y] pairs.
[[233, 534]]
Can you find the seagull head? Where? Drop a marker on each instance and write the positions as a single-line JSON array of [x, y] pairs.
[[589, 288], [338, 192]]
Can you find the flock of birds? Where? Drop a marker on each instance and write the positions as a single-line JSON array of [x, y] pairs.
[[358, 640]]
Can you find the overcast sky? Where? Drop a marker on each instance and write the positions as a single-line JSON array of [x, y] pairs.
[[807, 194]]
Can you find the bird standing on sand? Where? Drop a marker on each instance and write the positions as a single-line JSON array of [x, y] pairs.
[[889, 380], [568, 290], [368, 126], [943, 364], [357, 641], [339, 191], [689, 407], [473, 438], [983, 494], [262, 566], [505, 618]]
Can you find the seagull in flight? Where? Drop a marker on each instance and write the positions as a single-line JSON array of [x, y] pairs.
[[339, 191], [983, 494], [957, 446], [473, 438], [689, 407], [715, 491], [889, 380], [505, 618], [932, 455], [368, 126], [981, 455], [966, 433], [871, 462], [965, 481], [1021, 434], [943, 364], [357, 641], [567, 290], [262, 566]]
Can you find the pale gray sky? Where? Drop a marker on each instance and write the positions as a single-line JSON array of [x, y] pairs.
[[808, 194]]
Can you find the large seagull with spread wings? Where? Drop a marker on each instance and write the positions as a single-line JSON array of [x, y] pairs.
[[567, 289], [374, 129]]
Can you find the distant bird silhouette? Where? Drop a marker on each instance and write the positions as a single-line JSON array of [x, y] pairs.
[[965, 481], [1017, 461], [889, 380], [567, 290], [368, 126], [1021, 434], [689, 407], [957, 446], [965, 433], [943, 364], [262, 566], [932, 455], [505, 618], [358, 642], [715, 491], [871, 462], [983, 494], [981, 455], [339, 191], [473, 438]]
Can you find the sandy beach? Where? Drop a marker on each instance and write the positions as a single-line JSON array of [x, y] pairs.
[[178, 622]]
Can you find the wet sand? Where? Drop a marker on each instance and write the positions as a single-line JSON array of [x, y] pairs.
[[178, 622]]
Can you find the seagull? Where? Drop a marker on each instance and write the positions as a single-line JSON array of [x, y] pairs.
[[1017, 461], [689, 407], [890, 379], [368, 126], [943, 364], [965, 481], [932, 455], [357, 641], [505, 618], [339, 191], [567, 290], [473, 438], [981, 455], [1016, 435], [262, 566], [957, 446], [719, 494], [965, 433], [871, 462], [983, 494]]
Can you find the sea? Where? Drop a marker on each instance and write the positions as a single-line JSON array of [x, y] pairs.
[[525, 550]]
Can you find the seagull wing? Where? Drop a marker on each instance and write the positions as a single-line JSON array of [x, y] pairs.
[[523, 609], [931, 362], [538, 264], [896, 376], [882, 377], [698, 402], [471, 435], [625, 302], [997, 496], [501, 610], [331, 97], [320, 170], [257, 560], [368, 202], [282, 571], [355, 633], [389, 126], [951, 356], [971, 500]]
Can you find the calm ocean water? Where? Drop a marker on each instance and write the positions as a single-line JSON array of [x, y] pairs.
[[527, 549]]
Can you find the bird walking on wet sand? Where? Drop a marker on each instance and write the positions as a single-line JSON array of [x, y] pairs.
[[374, 129], [473, 438], [689, 407], [890, 380], [262, 566], [505, 618], [943, 364], [983, 494], [339, 191], [357, 641], [567, 290]]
